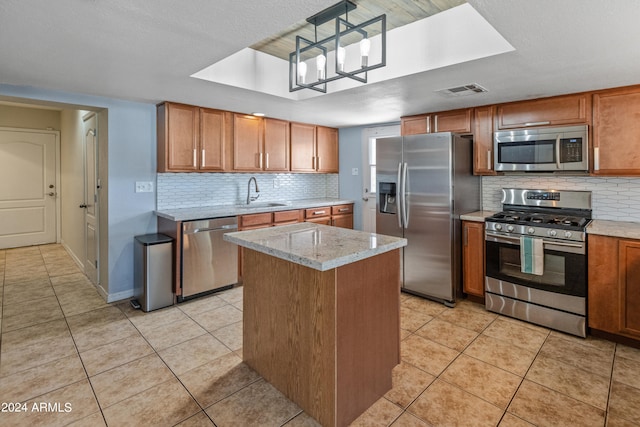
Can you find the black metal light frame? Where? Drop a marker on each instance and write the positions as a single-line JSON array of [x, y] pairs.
[[326, 15]]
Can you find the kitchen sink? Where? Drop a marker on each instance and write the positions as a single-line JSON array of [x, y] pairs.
[[263, 205]]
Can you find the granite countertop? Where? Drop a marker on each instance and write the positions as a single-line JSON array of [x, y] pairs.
[[477, 216], [321, 247], [205, 212], [630, 230]]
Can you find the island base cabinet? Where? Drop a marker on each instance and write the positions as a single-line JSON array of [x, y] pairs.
[[328, 340]]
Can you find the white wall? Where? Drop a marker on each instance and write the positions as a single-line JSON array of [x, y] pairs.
[[131, 157], [30, 118]]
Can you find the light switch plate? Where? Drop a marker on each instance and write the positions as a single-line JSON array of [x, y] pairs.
[[144, 187]]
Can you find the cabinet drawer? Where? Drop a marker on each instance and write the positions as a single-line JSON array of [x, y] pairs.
[[318, 212], [287, 216], [323, 220], [254, 220], [341, 209]]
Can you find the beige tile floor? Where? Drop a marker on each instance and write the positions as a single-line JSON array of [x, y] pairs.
[[96, 364]]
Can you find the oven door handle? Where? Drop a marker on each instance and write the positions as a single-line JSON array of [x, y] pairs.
[[516, 241], [502, 239]]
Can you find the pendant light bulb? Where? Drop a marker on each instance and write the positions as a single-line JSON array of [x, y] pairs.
[[321, 61], [365, 48], [340, 57], [302, 71]]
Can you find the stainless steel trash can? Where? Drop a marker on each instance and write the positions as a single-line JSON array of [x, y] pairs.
[[153, 271]]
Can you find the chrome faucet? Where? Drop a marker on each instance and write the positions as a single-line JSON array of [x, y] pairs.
[[251, 198]]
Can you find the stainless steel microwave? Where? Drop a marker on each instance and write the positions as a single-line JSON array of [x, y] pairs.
[[556, 149]]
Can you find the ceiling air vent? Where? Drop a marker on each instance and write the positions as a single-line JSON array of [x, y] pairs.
[[465, 90]]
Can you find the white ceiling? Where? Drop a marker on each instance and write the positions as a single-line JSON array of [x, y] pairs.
[[146, 51]]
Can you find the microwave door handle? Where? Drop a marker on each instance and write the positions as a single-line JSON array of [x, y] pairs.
[[558, 152]]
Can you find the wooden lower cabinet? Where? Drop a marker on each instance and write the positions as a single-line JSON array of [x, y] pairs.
[[328, 340], [614, 286], [473, 258], [342, 216]]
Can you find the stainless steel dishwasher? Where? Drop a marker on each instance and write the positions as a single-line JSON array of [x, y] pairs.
[[208, 262]]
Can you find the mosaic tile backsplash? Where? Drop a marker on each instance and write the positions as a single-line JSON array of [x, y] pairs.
[[613, 198], [191, 190]]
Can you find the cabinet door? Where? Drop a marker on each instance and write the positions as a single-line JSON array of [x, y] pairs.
[[483, 140], [559, 110], [276, 145], [323, 221], [178, 137], [415, 125], [452, 121], [616, 132], [327, 149], [603, 289], [629, 295], [473, 257], [213, 139], [247, 143], [303, 147], [344, 221]]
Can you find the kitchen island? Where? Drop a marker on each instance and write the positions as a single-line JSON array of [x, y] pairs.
[[322, 315]]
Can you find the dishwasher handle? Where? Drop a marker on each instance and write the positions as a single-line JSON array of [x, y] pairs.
[[203, 230]]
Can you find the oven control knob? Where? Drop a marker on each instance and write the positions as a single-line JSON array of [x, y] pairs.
[[567, 234], [531, 230], [509, 228], [552, 233], [498, 227]]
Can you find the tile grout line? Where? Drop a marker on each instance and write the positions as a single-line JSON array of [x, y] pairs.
[[77, 351]]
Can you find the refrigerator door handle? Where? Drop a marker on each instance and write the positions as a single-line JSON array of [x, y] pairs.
[[405, 203], [399, 196]]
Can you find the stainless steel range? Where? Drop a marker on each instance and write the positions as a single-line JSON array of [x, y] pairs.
[[536, 258]]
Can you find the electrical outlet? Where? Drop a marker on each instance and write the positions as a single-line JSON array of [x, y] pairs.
[[144, 187], [354, 171], [276, 183]]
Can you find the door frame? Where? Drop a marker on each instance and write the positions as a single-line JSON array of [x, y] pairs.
[[97, 202], [56, 133], [367, 134]]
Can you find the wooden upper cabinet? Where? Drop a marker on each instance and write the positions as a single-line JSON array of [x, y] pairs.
[[192, 139], [558, 110], [326, 149], [616, 132], [473, 258], [276, 145], [178, 137], [215, 140], [483, 140], [415, 125], [248, 137], [458, 121], [303, 147]]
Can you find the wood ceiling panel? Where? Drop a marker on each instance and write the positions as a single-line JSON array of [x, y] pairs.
[[399, 13]]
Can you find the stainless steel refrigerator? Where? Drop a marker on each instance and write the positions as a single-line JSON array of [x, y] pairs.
[[424, 183]]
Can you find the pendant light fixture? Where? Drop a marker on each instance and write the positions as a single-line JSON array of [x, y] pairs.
[[351, 51]]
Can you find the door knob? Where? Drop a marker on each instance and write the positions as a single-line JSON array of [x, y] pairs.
[[52, 194], [82, 206]]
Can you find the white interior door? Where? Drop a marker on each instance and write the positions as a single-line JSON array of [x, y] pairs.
[[27, 188], [369, 191], [90, 204]]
